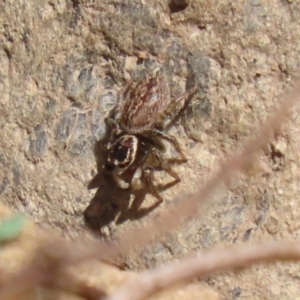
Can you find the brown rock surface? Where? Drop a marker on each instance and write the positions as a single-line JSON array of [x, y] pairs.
[[63, 64]]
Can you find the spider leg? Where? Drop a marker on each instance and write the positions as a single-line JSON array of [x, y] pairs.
[[114, 177], [111, 122], [136, 182], [161, 163], [119, 180], [114, 124], [148, 177], [156, 161], [171, 139], [116, 130], [185, 97]]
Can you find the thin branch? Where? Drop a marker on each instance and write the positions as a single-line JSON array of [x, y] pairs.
[[157, 279]]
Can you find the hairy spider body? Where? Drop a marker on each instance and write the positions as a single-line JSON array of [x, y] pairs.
[[144, 104], [136, 146]]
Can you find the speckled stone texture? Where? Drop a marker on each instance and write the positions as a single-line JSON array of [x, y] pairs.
[[63, 66]]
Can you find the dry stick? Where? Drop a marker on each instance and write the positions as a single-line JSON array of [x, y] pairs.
[[37, 272], [157, 279]]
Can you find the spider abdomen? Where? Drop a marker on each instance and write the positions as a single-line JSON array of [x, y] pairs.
[[144, 104]]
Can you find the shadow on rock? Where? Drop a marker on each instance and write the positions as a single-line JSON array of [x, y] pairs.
[[112, 203]]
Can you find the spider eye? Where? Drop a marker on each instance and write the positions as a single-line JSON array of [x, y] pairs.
[[123, 152], [120, 152]]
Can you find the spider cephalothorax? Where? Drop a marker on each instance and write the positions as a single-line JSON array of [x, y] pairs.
[[123, 151], [136, 146], [124, 157]]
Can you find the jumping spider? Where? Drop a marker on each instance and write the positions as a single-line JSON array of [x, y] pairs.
[[136, 146]]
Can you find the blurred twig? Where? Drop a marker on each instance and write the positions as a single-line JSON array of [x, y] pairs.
[[150, 282]]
